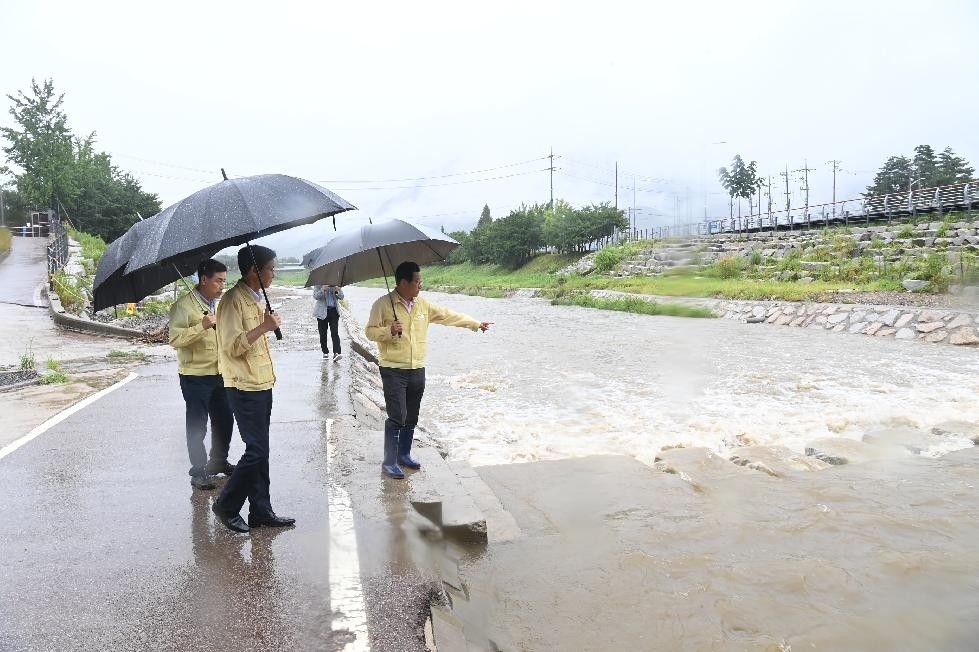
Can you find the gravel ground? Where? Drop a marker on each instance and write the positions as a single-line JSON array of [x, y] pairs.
[[916, 299]]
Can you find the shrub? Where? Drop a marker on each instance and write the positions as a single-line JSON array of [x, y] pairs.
[[907, 231], [608, 258], [727, 267]]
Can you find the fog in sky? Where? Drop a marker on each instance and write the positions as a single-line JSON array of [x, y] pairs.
[[429, 110]]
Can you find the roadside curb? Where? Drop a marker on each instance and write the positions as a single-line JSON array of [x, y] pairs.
[[79, 324]]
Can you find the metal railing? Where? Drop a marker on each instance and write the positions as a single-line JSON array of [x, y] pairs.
[[57, 250]]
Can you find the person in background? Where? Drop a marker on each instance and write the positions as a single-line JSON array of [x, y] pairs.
[[399, 324], [327, 313], [192, 334], [244, 322]]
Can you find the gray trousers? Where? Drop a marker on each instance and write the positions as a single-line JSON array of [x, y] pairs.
[[403, 391]]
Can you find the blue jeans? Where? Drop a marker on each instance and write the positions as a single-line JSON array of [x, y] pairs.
[[253, 413], [205, 397]]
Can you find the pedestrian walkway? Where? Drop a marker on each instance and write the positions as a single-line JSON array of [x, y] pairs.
[[22, 273]]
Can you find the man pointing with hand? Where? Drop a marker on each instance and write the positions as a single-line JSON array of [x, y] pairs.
[[399, 324]]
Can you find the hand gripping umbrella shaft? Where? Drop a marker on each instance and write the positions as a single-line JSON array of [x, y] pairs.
[[278, 331]]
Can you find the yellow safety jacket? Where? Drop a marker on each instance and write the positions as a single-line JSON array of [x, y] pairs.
[[408, 351], [245, 366], [197, 349]]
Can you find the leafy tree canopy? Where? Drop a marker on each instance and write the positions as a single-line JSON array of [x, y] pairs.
[[923, 169], [54, 168]]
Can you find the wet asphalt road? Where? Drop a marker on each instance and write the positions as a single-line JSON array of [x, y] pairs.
[[104, 544]]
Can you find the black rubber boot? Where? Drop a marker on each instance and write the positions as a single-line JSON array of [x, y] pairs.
[[404, 449], [390, 466]]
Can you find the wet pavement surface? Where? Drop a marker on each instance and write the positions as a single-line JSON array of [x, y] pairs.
[[106, 546], [23, 272]]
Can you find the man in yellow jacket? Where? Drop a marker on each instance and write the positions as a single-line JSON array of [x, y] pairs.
[[244, 322], [192, 321], [399, 324]]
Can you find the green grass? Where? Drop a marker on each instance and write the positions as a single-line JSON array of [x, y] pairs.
[[5, 240], [56, 375], [633, 304], [92, 246], [125, 355]]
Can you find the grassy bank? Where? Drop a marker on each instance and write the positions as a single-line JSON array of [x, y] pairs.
[[633, 304], [5, 240]]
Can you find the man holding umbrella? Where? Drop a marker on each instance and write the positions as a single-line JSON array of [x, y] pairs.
[[192, 322], [399, 322], [244, 322]]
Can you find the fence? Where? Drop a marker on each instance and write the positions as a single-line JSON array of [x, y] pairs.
[[57, 249], [875, 208]]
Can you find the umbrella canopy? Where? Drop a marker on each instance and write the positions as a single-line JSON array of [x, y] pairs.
[[375, 250], [229, 213], [113, 286]]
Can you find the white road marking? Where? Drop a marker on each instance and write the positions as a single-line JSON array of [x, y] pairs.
[[61, 416], [346, 591]]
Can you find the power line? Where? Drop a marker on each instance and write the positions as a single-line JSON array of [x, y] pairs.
[[437, 185]]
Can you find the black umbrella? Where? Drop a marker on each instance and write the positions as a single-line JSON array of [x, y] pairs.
[[113, 286], [375, 250], [172, 243], [229, 213]]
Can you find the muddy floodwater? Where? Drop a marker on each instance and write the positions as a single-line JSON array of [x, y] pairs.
[[694, 552]]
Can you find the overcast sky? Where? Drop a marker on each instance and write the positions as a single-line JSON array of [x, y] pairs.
[[429, 110]]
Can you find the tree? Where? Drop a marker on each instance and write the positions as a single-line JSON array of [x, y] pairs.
[[60, 170], [893, 176], [514, 239], [922, 170], [485, 217], [924, 167], [740, 181], [42, 147], [953, 169]]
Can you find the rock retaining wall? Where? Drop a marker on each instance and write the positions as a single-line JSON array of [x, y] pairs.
[[898, 322]]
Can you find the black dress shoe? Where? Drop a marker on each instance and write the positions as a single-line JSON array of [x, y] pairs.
[[226, 467], [270, 520], [229, 520]]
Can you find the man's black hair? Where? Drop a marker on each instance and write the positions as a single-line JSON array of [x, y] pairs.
[[406, 271], [262, 256], [210, 267]]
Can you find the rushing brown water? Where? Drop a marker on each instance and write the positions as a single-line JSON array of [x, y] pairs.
[[779, 554]]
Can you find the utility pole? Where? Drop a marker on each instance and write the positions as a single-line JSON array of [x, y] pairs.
[[788, 197], [805, 187], [836, 167], [3, 214], [616, 185], [551, 168], [634, 213]]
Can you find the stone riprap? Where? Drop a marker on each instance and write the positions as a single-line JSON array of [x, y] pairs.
[[899, 322]]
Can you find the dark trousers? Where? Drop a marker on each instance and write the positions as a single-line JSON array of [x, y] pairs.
[[253, 413], [403, 391], [332, 324], [205, 397]]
